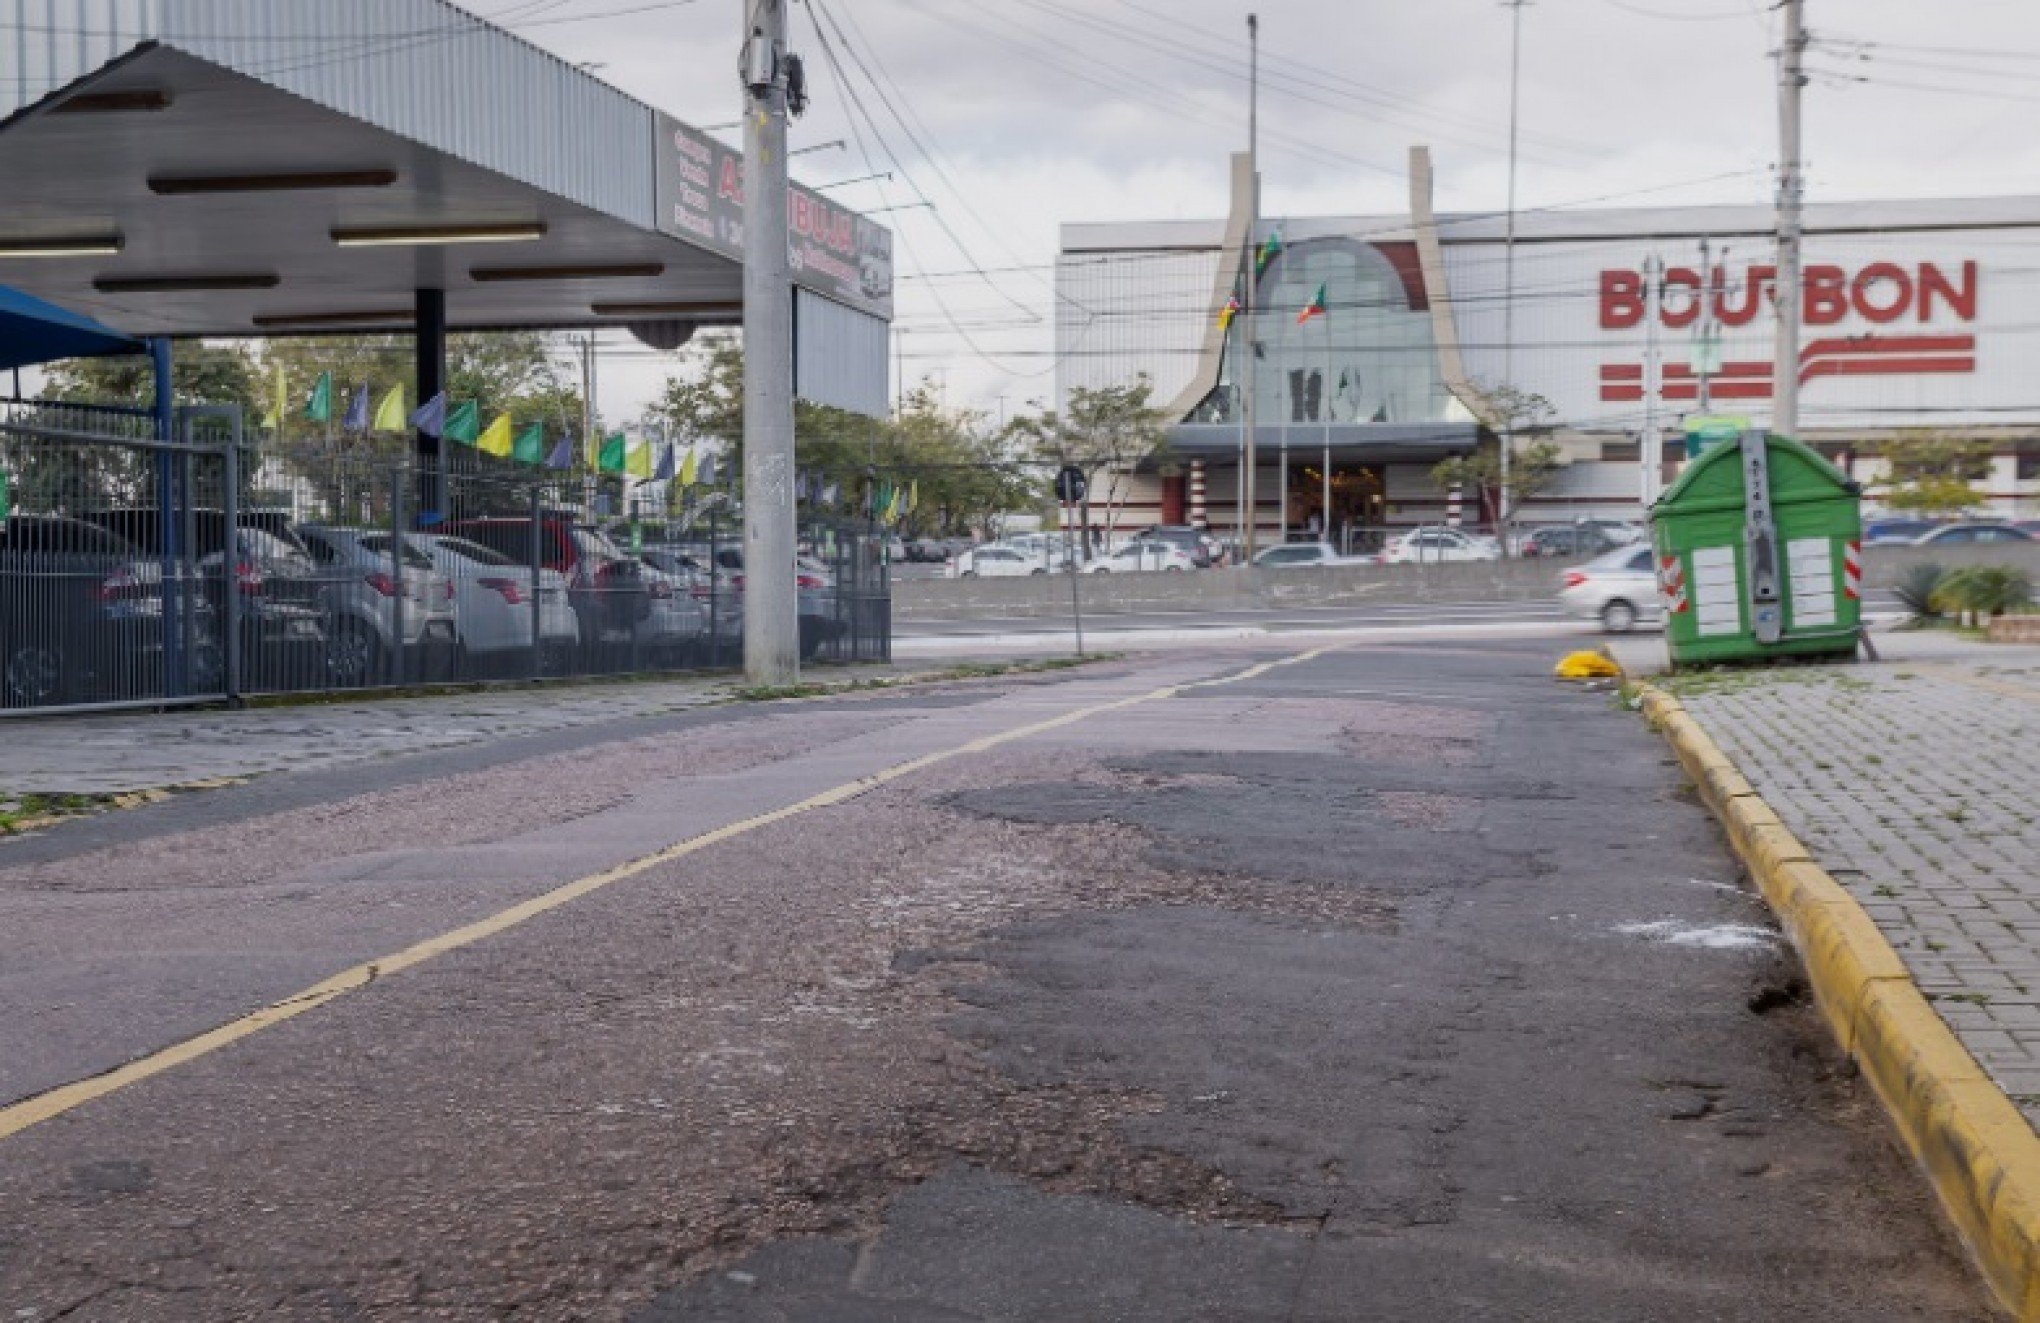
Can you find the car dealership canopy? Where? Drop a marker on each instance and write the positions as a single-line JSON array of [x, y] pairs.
[[270, 167]]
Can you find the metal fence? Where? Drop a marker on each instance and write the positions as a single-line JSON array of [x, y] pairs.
[[140, 571]]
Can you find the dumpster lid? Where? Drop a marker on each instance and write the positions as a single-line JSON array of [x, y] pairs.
[[1714, 480]]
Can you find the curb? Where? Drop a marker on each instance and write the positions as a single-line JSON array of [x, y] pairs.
[[1976, 1147]]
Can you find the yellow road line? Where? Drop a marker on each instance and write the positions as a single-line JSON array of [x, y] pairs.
[[45, 1106]]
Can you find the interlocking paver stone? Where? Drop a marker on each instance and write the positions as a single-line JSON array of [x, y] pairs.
[[1914, 784]]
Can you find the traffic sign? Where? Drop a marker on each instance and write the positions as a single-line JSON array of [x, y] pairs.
[[1070, 485]]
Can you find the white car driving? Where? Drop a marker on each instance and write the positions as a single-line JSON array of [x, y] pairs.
[[1302, 555], [1618, 588]]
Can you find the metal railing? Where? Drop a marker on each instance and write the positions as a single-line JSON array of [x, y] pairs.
[[143, 572]]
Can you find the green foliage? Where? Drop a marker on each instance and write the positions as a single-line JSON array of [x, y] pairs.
[[201, 372], [1978, 591], [1934, 473], [1915, 588], [1533, 468], [963, 472], [1106, 431]]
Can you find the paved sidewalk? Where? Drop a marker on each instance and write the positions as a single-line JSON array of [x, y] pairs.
[[1912, 782], [119, 753]]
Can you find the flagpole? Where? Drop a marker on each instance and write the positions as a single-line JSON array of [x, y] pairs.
[[1249, 514]]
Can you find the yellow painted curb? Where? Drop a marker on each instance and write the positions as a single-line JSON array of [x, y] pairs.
[[1977, 1148]]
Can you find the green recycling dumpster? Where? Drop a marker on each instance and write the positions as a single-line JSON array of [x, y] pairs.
[[1759, 554]]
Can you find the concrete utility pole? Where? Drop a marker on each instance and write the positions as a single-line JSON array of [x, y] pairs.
[[1249, 498], [1791, 197], [1709, 335], [771, 606], [1502, 502]]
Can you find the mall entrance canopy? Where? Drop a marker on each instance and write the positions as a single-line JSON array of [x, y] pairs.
[[187, 168]]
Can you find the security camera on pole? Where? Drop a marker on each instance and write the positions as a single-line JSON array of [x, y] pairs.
[[771, 605]]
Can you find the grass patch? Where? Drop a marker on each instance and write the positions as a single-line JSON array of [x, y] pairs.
[[961, 671], [25, 813]]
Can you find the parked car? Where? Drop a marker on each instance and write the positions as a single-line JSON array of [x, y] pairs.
[[606, 587], [1143, 556], [82, 617], [1303, 555], [995, 562], [492, 606], [1896, 532], [675, 632], [1619, 588], [1571, 540], [1436, 545], [1621, 532], [1200, 546], [1973, 532], [363, 592], [279, 591], [927, 551], [815, 590], [715, 591]]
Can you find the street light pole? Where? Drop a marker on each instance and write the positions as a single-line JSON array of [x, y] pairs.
[[1249, 459], [1502, 511], [771, 609]]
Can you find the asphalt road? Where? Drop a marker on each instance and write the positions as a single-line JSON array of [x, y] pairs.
[[1391, 982]]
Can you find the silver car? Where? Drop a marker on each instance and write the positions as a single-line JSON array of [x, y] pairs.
[[359, 593], [1619, 588], [493, 601]]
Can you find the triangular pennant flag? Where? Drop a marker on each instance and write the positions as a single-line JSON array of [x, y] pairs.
[[430, 417], [497, 439], [913, 496], [637, 461], [389, 415], [688, 468], [1228, 312], [6, 497], [1315, 308], [529, 447], [357, 411], [319, 408], [664, 470], [279, 403], [609, 459], [562, 456], [831, 494], [707, 474], [464, 422], [1271, 248]]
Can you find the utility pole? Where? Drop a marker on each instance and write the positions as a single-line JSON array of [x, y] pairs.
[[1791, 197], [771, 609], [1653, 447], [589, 420], [1249, 499], [1502, 511]]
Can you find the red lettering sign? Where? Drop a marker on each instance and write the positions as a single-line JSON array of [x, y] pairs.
[[1880, 293]]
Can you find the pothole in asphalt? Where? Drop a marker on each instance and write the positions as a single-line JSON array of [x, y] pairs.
[[1705, 937]]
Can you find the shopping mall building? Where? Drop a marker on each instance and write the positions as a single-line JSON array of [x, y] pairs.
[[1916, 315]]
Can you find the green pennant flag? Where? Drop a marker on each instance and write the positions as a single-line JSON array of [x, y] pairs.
[[464, 423], [609, 459], [319, 408], [529, 447], [6, 496], [1271, 248]]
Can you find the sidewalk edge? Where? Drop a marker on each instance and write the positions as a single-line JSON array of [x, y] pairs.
[[1976, 1147]]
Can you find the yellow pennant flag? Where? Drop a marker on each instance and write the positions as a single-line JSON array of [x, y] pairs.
[[496, 439], [688, 469], [638, 461], [390, 415], [280, 405]]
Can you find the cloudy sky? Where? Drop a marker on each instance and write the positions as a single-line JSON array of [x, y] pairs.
[[1014, 116]]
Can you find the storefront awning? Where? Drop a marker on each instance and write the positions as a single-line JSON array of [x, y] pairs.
[[1371, 443], [32, 331]]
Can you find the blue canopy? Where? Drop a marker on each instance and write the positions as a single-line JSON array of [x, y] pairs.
[[32, 331]]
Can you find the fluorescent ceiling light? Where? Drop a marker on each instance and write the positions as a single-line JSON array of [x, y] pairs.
[[696, 310], [177, 284], [618, 271], [77, 245], [171, 185], [362, 318], [399, 236]]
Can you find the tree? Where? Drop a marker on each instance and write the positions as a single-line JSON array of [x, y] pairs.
[[1106, 431], [1933, 472], [1515, 414], [201, 372], [960, 471]]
